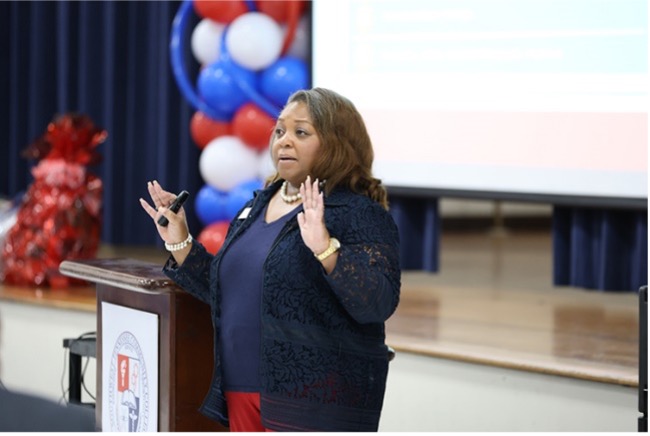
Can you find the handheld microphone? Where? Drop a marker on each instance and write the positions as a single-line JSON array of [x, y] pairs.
[[175, 207]]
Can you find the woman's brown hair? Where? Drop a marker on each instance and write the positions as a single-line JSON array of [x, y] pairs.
[[346, 150]]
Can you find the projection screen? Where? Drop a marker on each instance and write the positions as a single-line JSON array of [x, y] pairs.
[[522, 97]]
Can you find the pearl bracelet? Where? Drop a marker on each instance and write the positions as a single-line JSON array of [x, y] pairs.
[[180, 245]]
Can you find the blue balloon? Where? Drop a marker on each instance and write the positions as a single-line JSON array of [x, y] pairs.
[[178, 65], [216, 106], [250, 91], [257, 98], [282, 78], [239, 195], [211, 205], [220, 86], [250, 4]]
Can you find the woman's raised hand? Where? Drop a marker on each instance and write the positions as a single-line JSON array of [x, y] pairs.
[[312, 219], [177, 229]]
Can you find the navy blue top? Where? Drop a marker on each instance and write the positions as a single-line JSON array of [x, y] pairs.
[[241, 274]]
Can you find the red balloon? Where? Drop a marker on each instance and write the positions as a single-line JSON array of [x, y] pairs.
[[253, 126], [212, 236], [220, 10], [279, 10], [204, 129]]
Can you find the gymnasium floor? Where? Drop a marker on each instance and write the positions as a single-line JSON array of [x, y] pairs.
[[493, 302]]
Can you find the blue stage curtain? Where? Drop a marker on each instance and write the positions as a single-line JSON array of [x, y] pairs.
[[110, 61], [600, 249], [418, 223]]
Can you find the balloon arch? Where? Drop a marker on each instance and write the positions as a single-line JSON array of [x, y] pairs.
[[253, 56]]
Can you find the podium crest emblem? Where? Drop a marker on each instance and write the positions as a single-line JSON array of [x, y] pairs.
[[128, 395]]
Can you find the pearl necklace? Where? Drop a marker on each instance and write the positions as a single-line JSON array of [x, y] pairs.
[[288, 198]]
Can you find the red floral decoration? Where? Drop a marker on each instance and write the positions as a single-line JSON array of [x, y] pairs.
[[60, 215]]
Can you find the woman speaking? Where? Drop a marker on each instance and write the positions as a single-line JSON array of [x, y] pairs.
[[303, 283]]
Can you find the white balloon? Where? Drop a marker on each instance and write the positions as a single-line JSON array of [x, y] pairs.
[[226, 162], [254, 40], [299, 47], [265, 167], [206, 41]]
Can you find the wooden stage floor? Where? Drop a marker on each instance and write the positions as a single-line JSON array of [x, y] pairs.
[[492, 302]]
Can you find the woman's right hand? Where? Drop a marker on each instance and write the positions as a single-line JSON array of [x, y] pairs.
[[177, 230]]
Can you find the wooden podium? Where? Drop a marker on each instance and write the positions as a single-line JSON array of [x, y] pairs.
[[185, 339]]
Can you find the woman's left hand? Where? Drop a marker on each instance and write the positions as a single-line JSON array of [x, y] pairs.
[[312, 219]]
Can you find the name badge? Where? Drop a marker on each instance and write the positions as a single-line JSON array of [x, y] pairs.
[[244, 214]]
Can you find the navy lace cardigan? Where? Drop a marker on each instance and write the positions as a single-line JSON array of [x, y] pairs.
[[324, 360]]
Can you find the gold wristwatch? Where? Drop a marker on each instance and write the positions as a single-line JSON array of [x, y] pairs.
[[334, 246]]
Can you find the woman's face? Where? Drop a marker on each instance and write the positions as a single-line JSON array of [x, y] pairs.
[[296, 144]]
